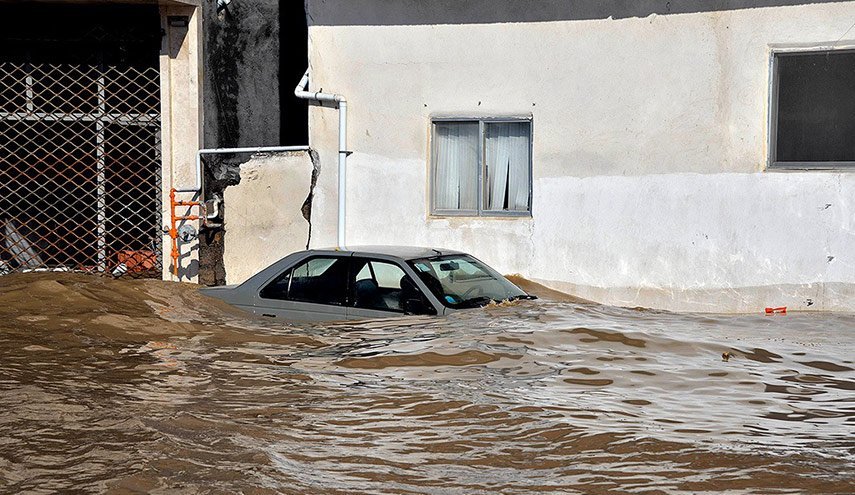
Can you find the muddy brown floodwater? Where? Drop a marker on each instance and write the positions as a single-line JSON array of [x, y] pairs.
[[146, 386]]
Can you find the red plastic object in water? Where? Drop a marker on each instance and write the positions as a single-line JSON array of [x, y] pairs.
[[772, 311]]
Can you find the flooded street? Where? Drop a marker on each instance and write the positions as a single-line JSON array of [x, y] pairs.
[[146, 386]]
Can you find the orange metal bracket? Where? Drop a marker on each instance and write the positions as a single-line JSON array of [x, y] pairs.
[[174, 219]]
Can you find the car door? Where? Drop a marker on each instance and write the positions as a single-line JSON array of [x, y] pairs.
[[381, 288], [313, 289]]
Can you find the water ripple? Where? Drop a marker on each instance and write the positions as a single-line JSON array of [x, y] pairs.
[[149, 387]]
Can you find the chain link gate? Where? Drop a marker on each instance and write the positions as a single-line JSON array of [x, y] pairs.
[[80, 169]]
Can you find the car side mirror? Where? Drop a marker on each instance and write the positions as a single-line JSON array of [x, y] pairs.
[[418, 306]]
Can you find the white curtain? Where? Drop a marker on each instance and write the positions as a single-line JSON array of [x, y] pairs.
[[456, 186], [507, 149]]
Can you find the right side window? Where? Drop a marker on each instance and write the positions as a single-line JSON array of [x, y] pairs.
[[813, 110], [384, 286]]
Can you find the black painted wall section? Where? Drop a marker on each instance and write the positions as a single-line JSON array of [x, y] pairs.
[[294, 59], [414, 12], [241, 87]]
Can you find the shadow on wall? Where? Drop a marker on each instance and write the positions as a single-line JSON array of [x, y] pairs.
[[408, 12]]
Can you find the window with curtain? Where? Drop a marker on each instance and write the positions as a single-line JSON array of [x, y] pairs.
[[482, 167]]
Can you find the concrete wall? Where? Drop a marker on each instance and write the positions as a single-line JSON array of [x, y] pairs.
[[269, 213], [649, 149], [255, 52], [181, 128], [241, 103]]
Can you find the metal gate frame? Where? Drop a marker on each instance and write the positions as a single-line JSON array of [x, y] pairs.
[[123, 106]]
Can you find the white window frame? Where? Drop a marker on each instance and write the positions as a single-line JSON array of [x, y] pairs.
[[482, 167], [772, 140]]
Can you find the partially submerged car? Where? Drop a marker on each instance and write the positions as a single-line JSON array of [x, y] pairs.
[[369, 282]]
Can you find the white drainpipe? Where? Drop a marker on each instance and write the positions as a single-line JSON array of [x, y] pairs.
[[301, 91]]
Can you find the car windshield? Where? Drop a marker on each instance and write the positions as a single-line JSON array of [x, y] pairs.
[[461, 281]]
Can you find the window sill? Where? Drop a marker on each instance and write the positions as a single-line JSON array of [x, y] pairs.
[[474, 214], [811, 167]]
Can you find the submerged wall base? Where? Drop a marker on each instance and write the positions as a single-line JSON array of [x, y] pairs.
[[803, 297]]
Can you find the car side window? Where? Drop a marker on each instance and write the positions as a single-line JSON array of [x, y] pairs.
[[319, 280], [384, 286], [278, 288]]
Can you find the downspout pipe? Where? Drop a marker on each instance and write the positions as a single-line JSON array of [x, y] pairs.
[[302, 92]]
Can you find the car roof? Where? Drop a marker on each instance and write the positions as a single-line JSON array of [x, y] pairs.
[[403, 252]]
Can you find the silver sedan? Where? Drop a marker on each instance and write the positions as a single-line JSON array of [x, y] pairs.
[[369, 282]]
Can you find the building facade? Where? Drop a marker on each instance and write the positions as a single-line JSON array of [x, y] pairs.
[[690, 155], [104, 106], [100, 116], [680, 155]]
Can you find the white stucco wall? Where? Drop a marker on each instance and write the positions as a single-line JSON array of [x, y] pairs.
[[264, 221], [649, 153]]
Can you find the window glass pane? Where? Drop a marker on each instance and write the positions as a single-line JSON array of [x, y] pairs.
[[314, 267], [456, 161], [388, 275], [382, 286], [319, 280], [364, 273], [278, 289], [507, 149], [460, 281], [816, 107]]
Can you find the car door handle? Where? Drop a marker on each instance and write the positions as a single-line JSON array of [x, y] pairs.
[[268, 315]]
